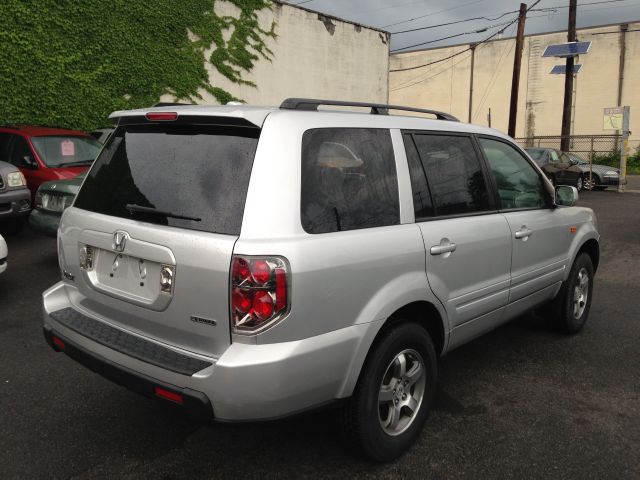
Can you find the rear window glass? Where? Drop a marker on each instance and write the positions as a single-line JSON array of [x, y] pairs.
[[65, 151], [159, 173], [349, 180]]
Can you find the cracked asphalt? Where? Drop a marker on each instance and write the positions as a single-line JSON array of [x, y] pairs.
[[519, 402]]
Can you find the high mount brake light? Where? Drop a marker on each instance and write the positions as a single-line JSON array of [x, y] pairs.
[[163, 116], [259, 292]]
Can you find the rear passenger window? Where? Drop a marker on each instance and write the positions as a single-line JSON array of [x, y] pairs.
[[349, 180], [454, 174], [518, 183]]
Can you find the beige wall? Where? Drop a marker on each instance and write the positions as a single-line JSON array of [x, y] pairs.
[[311, 58], [445, 85]]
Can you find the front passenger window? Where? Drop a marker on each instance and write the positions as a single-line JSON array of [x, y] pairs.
[[519, 185]]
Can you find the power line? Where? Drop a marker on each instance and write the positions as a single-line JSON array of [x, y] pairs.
[[432, 13], [453, 23], [480, 30], [467, 49]]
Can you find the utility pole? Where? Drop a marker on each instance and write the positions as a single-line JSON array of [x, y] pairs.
[[473, 57], [515, 80], [568, 81]]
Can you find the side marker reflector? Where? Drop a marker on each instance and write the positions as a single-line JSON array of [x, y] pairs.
[[168, 395]]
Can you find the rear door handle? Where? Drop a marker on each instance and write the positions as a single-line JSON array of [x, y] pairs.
[[523, 233], [443, 248]]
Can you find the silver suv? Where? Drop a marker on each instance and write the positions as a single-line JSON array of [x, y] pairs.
[[250, 263]]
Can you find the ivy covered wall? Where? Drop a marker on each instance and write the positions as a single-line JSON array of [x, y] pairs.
[[70, 63]]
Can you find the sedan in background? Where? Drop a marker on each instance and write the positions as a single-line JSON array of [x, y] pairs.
[[602, 176], [52, 199], [557, 167]]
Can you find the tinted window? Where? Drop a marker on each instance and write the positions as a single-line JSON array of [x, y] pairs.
[[60, 151], [199, 171], [348, 180], [518, 183], [454, 173], [4, 146], [422, 205], [19, 150]]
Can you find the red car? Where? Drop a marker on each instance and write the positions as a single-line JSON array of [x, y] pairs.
[[47, 153]]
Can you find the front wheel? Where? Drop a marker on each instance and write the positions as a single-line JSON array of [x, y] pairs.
[[394, 394], [569, 311]]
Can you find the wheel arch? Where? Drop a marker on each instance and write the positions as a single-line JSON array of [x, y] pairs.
[[423, 313], [592, 248]]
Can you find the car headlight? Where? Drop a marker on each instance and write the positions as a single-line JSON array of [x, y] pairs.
[[611, 173], [16, 179], [38, 199]]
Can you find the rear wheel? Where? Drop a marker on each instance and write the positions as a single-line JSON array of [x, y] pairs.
[[394, 394], [569, 311]]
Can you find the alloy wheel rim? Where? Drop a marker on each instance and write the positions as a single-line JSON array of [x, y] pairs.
[[401, 392], [580, 183], [581, 293]]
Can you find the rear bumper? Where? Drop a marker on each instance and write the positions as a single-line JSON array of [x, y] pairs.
[[194, 403], [45, 222], [247, 382], [15, 203]]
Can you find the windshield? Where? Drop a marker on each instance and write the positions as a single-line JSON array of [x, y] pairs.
[[61, 151], [182, 175]]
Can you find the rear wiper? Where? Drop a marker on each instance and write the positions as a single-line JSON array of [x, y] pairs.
[[80, 162], [132, 207]]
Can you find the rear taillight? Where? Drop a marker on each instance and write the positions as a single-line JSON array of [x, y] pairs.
[[259, 292]]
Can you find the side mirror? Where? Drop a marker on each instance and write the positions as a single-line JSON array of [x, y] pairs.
[[573, 161], [566, 195], [29, 162]]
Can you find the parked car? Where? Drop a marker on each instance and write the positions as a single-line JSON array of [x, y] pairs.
[[3, 255], [602, 176], [247, 263], [45, 153], [557, 167], [15, 200], [52, 199], [101, 134]]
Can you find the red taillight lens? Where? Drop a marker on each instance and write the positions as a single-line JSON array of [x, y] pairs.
[[169, 395], [162, 116], [259, 292], [58, 342]]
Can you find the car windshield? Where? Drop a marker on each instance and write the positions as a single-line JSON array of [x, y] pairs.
[[65, 150]]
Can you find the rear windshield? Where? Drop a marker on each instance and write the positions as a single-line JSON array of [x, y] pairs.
[[158, 173], [535, 153], [65, 151]]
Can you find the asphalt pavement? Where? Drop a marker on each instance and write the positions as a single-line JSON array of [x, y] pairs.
[[519, 402]]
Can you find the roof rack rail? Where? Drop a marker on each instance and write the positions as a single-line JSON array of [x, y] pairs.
[[170, 104], [311, 104]]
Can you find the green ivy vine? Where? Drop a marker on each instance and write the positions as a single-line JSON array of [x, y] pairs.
[[70, 63]]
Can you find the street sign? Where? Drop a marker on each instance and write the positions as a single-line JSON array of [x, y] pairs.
[[561, 69], [569, 49], [613, 117]]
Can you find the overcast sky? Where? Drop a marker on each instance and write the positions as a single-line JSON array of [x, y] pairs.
[[396, 15]]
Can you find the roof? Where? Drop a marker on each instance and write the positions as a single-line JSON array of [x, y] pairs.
[[40, 131], [302, 119], [332, 17]]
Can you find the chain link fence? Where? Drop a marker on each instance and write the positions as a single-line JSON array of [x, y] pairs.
[[602, 149]]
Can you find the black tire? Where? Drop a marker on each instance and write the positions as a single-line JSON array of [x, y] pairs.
[[562, 314], [362, 414]]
